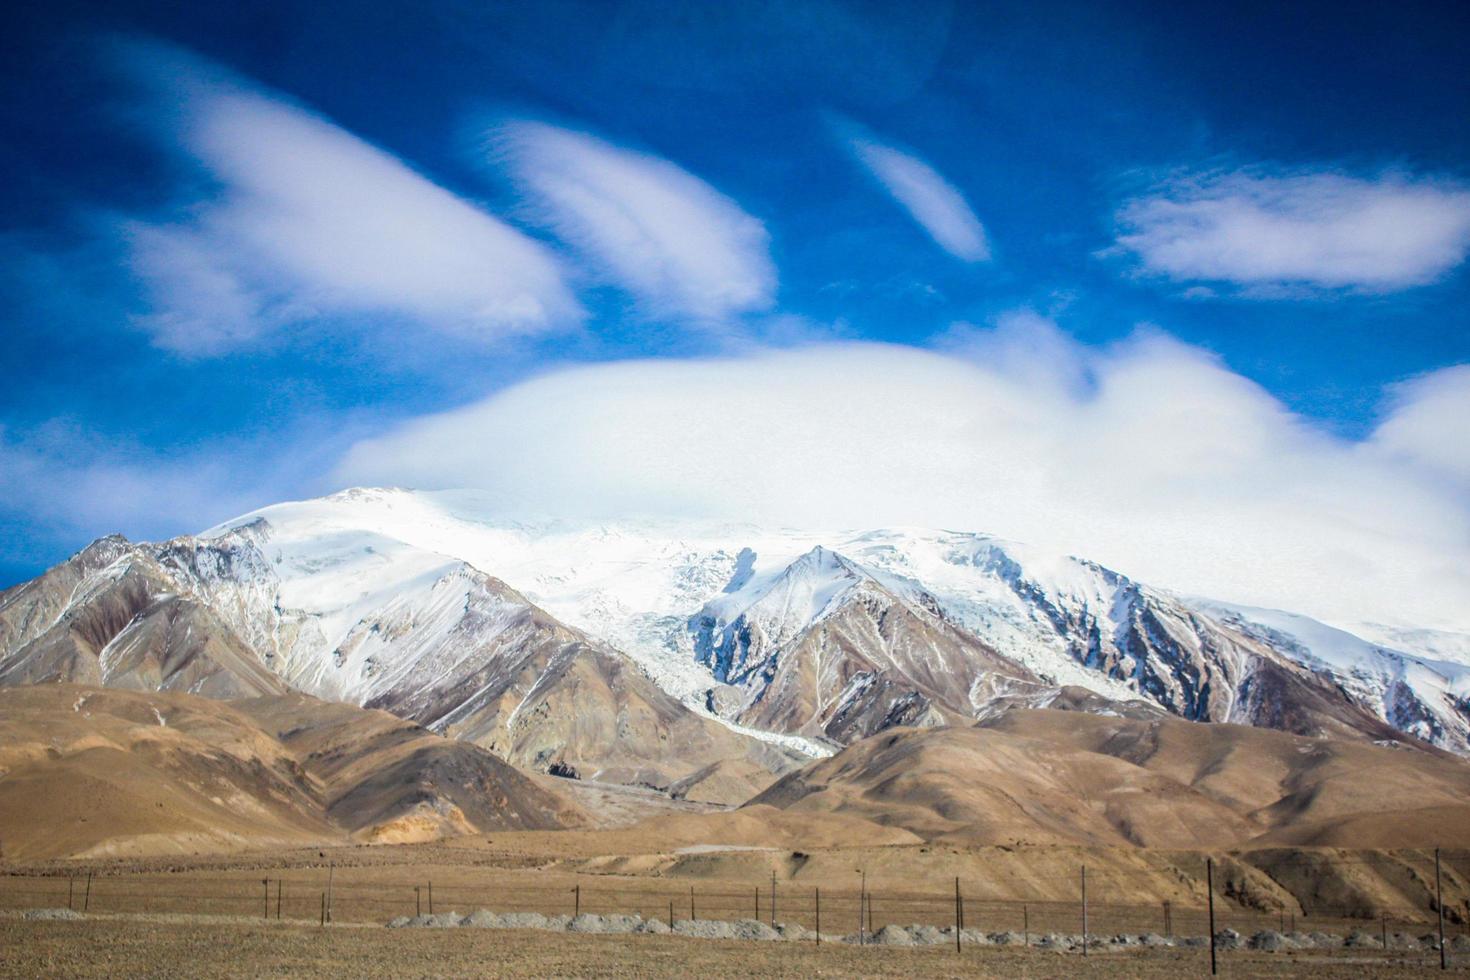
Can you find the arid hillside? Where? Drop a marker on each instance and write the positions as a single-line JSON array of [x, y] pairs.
[[1045, 776], [88, 771]]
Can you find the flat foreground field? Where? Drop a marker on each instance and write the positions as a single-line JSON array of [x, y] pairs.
[[180, 946]]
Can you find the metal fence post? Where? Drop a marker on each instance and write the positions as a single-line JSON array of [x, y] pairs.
[[87, 898], [959, 915], [431, 896], [819, 916], [1084, 910], [1210, 887]]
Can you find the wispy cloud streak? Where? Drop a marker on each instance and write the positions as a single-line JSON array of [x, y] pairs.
[[930, 200], [305, 219], [1265, 232], [677, 244]]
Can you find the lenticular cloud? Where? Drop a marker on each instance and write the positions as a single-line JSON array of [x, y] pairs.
[[1149, 456]]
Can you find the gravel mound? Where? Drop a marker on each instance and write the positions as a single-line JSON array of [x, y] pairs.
[[718, 929], [1359, 939], [794, 931], [42, 915], [1007, 938], [1325, 940], [654, 927], [1271, 941], [1227, 939], [588, 922], [1460, 944], [891, 935], [1154, 939]]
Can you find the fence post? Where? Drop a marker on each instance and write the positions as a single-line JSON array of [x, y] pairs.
[[1439, 901], [692, 916], [1084, 910], [1383, 925], [87, 898], [576, 900], [959, 915], [1168, 919], [1026, 925], [70, 884], [870, 913], [773, 898], [279, 881], [671, 913], [331, 867], [757, 903], [266, 884], [431, 896], [1210, 887], [819, 916], [324, 909], [418, 904]]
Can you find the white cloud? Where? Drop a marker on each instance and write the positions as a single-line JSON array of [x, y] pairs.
[[930, 200], [1429, 424], [1318, 230], [672, 240], [308, 219], [1149, 456]]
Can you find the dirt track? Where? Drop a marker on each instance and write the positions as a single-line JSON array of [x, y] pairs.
[[179, 947]]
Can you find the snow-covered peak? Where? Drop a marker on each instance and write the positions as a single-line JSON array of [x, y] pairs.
[[643, 586]]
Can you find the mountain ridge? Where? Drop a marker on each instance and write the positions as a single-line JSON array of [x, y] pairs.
[[725, 641]]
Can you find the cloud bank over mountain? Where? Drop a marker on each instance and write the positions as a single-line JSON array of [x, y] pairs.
[[1148, 455]]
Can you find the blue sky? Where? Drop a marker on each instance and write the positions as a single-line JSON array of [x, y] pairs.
[[247, 246]]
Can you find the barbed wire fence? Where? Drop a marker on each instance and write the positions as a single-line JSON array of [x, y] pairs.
[[964, 912]]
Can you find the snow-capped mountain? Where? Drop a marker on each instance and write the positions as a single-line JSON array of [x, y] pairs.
[[726, 641]]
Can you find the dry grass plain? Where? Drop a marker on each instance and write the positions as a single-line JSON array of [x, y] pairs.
[[205, 916], [181, 946]]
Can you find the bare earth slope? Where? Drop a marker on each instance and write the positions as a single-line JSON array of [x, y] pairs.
[[92, 771], [1056, 776]]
